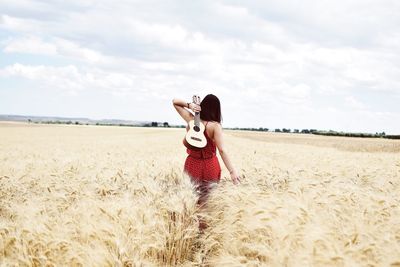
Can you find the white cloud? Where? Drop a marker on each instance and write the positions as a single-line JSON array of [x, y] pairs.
[[164, 34], [71, 49], [69, 78], [299, 92], [12, 23], [354, 103], [65, 78], [55, 46], [30, 45]]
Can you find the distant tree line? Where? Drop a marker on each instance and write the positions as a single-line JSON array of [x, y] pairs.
[[320, 132], [277, 130], [59, 122], [260, 129], [156, 124], [362, 135]]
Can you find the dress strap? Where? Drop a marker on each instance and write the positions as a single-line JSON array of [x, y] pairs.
[[205, 130]]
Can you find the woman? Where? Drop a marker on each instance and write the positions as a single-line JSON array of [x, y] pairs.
[[202, 165]]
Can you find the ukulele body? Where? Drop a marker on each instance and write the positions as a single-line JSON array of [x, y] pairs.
[[195, 138]]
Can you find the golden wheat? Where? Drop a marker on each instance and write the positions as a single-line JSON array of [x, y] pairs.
[[116, 196]]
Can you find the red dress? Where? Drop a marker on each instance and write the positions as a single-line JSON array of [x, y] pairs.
[[202, 165]]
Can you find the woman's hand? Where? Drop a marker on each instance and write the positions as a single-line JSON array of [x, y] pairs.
[[235, 177], [194, 107]]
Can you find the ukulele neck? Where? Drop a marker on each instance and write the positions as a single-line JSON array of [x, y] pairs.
[[197, 118], [196, 100]]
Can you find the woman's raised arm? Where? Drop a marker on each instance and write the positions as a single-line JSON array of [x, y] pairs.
[[182, 107]]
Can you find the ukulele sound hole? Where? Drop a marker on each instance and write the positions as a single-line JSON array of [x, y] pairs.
[[196, 128]]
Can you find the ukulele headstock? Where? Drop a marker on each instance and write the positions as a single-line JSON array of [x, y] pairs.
[[196, 99]]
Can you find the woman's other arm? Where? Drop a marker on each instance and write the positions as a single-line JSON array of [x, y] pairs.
[[219, 141], [181, 105]]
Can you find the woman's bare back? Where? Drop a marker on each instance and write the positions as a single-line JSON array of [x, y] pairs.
[[210, 128]]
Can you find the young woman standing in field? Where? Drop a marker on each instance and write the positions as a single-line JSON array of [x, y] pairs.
[[202, 165]]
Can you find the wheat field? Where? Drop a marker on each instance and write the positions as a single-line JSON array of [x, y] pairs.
[[117, 196]]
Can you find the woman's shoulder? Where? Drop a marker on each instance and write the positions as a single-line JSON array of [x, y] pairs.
[[212, 124], [212, 127]]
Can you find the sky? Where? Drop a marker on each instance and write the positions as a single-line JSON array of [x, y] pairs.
[[328, 65]]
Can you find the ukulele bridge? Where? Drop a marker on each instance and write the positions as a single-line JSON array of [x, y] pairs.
[[195, 138]]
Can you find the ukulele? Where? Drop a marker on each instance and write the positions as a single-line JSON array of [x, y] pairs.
[[195, 138]]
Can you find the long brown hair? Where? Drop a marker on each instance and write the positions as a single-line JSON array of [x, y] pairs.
[[211, 109]]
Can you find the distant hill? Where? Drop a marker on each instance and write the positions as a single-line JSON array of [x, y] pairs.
[[41, 119]]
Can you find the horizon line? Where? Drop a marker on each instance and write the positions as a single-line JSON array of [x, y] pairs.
[[270, 129]]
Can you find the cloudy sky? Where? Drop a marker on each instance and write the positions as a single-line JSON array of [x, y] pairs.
[[296, 64]]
